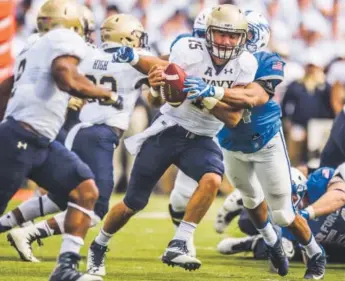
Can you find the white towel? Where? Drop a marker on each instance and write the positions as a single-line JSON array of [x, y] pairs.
[[73, 132], [134, 143]]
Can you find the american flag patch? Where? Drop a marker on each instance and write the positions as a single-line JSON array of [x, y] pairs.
[[326, 173], [277, 65]]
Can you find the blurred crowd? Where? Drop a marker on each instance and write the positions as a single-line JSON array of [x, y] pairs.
[[308, 34]]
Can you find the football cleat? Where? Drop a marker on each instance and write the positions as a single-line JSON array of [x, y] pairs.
[[316, 266], [278, 258], [66, 269], [96, 259], [230, 245], [230, 209], [177, 254], [21, 239], [191, 248], [4, 228]]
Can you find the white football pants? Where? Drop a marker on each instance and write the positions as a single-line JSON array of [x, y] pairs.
[[264, 174]]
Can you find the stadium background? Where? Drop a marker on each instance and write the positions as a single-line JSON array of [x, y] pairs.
[[308, 34]]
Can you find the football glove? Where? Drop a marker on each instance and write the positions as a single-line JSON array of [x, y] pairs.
[[115, 100], [195, 87], [125, 55]]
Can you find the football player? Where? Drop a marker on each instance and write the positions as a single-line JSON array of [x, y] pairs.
[[101, 126], [253, 146], [320, 200], [183, 135], [45, 74]]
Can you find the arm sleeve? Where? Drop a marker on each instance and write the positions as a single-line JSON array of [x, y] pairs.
[[317, 183], [270, 71]]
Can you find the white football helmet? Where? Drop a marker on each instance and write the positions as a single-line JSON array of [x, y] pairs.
[[299, 185], [258, 31], [199, 26], [229, 19]]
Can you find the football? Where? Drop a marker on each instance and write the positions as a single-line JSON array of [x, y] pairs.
[[172, 91]]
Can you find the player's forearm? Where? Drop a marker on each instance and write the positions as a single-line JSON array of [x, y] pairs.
[[145, 63], [82, 87], [331, 201], [227, 114], [248, 97], [68, 79]]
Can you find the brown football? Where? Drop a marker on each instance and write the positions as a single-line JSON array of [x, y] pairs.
[[172, 91]]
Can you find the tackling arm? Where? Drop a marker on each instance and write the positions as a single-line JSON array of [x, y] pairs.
[[332, 200], [251, 95], [230, 116]]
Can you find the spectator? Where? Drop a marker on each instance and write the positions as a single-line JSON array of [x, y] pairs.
[[305, 99]]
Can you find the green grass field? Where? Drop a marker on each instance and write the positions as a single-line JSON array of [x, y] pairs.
[[135, 251]]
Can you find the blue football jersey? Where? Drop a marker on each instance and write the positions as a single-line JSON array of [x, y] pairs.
[[261, 123], [329, 228]]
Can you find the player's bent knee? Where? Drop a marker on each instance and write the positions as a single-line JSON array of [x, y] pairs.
[[135, 203], [210, 181], [251, 202], [86, 194], [283, 218]]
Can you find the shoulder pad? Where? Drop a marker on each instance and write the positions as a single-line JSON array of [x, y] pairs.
[[178, 38], [270, 66], [187, 51], [66, 42], [247, 62]]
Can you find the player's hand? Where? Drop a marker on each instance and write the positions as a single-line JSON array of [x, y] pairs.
[[115, 100], [195, 87], [125, 55], [156, 76], [75, 103], [304, 213]]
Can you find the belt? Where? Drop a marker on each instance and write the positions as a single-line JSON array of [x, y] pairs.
[[29, 128], [189, 135]]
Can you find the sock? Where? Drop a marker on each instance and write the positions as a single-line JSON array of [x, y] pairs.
[[312, 248], [269, 234], [185, 231], [8, 220], [44, 229], [103, 238], [71, 243], [37, 207], [60, 220]]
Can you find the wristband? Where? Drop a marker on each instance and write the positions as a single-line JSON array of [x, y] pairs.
[[135, 58], [218, 93], [154, 93], [311, 212], [209, 103]]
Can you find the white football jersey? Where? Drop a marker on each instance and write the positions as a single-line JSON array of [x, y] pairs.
[[191, 54], [36, 98], [121, 78]]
